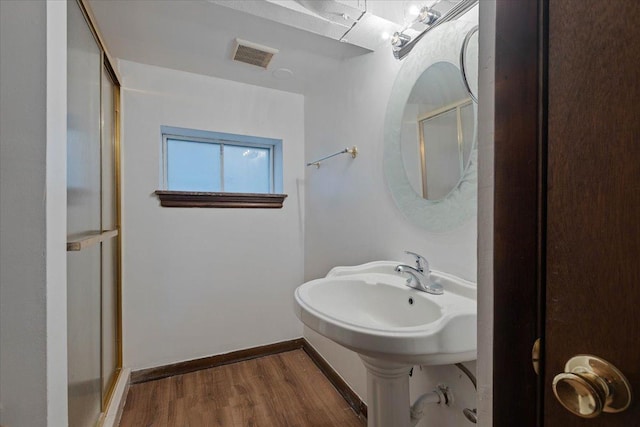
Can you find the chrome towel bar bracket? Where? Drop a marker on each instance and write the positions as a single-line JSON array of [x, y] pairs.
[[353, 151]]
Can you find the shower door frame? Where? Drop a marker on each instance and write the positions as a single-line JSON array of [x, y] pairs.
[[107, 392]]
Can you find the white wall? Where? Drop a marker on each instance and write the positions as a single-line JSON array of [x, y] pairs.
[[198, 282], [351, 217], [33, 335], [56, 212]]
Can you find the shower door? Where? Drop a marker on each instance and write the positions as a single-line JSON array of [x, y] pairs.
[[93, 353], [83, 220]]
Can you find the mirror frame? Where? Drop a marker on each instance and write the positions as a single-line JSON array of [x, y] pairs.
[[443, 44], [463, 63]]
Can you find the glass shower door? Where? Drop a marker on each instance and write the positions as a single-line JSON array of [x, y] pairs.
[[93, 246], [84, 62]]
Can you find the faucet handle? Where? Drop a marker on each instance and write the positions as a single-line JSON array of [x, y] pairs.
[[422, 264]]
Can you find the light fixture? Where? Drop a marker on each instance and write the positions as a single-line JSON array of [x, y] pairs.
[[428, 15], [398, 40], [402, 44], [425, 15]]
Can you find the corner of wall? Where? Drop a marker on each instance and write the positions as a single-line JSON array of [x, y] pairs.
[[485, 212], [56, 214]]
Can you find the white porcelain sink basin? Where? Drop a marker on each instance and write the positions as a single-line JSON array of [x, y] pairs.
[[369, 309]]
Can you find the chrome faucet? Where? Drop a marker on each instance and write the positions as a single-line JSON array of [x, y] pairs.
[[421, 262], [419, 276]]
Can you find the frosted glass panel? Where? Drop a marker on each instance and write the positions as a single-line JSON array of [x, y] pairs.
[[193, 166], [83, 126], [84, 62], [83, 336], [246, 170]]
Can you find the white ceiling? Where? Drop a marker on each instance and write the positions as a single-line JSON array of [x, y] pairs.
[[198, 36]]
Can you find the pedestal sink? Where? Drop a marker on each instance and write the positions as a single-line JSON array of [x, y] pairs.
[[369, 309]]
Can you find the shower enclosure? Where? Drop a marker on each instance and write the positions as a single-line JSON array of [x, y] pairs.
[[93, 226]]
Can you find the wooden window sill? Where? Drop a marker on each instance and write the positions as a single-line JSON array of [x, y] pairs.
[[196, 199]]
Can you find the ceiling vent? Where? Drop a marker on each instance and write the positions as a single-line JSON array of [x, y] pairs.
[[253, 53]]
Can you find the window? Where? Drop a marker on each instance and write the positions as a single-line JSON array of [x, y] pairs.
[[201, 165]]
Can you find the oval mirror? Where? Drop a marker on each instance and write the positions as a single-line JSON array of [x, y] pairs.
[[430, 153], [437, 131]]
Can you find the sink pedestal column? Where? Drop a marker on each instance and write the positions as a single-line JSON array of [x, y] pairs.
[[387, 393]]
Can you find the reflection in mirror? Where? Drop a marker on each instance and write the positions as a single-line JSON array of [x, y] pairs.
[[437, 131], [445, 145]]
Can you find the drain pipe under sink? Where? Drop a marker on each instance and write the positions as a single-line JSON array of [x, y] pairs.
[[440, 394], [470, 414]]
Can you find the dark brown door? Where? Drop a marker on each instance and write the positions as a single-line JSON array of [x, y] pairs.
[[567, 201], [593, 195]]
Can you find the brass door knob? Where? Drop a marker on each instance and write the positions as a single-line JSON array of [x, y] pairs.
[[590, 386]]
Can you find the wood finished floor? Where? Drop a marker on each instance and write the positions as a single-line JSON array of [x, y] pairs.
[[285, 389]]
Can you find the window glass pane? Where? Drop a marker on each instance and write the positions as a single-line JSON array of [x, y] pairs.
[[246, 169], [193, 166]]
